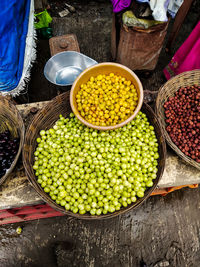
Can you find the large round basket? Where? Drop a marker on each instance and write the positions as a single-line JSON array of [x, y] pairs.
[[46, 118], [184, 79], [10, 119]]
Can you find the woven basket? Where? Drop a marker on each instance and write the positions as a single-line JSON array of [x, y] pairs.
[[46, 118], [184, 79], [10, 119]]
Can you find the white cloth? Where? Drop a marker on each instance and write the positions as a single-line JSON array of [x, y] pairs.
[[174, 6], [159, 8]]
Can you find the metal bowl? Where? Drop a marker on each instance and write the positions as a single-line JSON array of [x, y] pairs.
[[63, 68]]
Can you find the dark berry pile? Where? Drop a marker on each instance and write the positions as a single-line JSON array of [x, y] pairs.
[[183, 120], [8, 151]]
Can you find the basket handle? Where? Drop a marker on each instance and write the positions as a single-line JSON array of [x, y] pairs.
[[150, 96]]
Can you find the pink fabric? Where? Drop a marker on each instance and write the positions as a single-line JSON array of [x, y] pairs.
[[119, 5], [187, 57]]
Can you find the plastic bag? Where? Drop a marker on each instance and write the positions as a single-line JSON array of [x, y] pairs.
[[129, 19], [44, 19]]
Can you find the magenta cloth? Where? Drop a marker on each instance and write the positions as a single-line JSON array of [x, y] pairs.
[[187, 57], [119, 5]]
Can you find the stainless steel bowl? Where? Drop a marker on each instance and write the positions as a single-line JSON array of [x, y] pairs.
[[63, 68]]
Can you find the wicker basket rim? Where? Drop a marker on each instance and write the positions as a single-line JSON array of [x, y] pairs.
[[164, 88], [46, 198], [14, 110]]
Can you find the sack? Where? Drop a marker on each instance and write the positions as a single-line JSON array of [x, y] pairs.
[[137, 48]]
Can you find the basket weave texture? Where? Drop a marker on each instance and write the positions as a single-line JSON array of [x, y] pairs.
[[184, 79], [46, 118], [10, 119]]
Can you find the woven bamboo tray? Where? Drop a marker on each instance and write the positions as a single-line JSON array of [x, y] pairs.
[[46, 118], [184, 79], [10, 119]]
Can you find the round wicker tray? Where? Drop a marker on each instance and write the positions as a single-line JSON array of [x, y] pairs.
[[46, 118], [184, 79], [10, 119]]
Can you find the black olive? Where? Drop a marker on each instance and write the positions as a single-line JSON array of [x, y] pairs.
[[8, 150]]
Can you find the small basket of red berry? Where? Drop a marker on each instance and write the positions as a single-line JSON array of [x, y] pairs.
[[178, 110]]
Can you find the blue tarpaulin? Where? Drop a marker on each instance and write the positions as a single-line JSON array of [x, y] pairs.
[[14, 18]]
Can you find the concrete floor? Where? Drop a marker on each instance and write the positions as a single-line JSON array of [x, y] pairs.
[[164, 231]]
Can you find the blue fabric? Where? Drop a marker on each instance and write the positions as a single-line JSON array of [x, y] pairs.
[[14, 18]]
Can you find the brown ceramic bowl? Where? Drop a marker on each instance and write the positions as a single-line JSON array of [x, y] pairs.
[[106, 68]]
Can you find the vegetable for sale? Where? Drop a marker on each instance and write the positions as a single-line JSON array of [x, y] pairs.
[[107, 100], [182, 113], [85, 170]]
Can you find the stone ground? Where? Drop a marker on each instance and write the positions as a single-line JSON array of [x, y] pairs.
[[164, 231]]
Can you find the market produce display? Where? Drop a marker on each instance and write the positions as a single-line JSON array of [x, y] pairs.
[[85, 170], [182, 112], [8, 151], [106, 100]]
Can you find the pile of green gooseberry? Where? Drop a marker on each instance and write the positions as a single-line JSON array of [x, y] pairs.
[[97, 172]]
